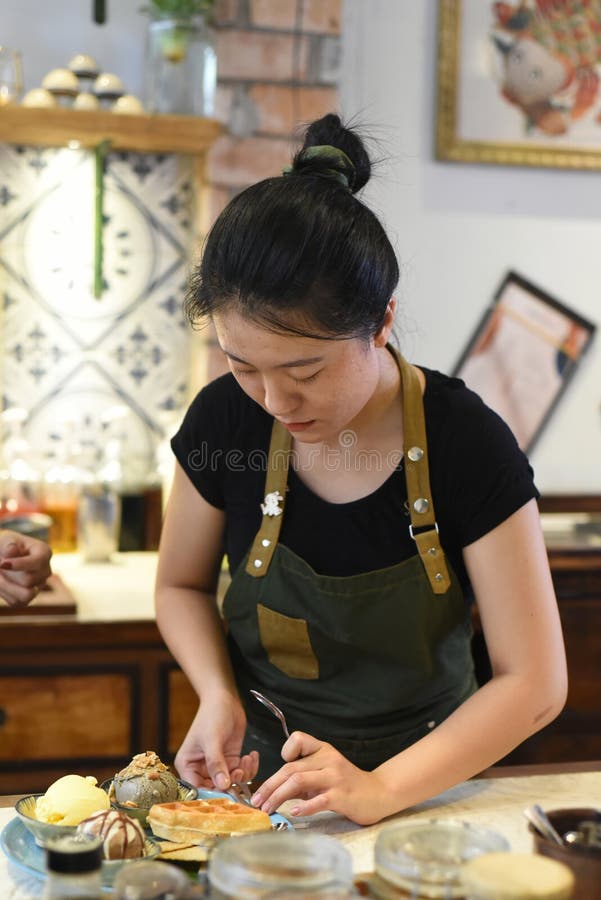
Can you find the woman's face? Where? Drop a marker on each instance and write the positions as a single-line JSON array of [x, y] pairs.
[[315, 388]]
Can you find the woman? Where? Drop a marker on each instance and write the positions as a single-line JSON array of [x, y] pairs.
[[24, 567], [363, 503]]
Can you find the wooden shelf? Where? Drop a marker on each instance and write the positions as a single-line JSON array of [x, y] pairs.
[[142, 133]]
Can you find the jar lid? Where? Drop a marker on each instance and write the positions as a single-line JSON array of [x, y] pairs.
[[517, 876], [262, 863], [74, 853]]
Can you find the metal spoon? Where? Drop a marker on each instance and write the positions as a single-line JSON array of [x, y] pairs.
[[277, 712], [541, 822]]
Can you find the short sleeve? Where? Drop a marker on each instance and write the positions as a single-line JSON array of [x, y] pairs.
[[483, 475], [201, 444]]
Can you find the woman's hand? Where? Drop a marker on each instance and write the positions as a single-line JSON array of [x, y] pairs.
[[209, 756], [323, 779], [24, 567]]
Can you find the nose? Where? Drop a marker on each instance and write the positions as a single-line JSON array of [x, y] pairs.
[[277, 400]]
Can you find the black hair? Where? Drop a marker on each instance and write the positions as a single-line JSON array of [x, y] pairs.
[[300, 253]]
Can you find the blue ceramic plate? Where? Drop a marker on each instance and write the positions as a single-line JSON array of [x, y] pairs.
[[19, 846]]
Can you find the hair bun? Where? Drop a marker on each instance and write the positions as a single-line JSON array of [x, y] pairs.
[[338, 153]]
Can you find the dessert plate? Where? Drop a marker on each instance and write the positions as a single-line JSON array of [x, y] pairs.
[[19, 846]]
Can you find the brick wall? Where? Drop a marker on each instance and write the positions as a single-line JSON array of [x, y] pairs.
[[278, 63]]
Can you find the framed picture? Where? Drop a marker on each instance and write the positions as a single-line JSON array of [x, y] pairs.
[[519, 82], [522, 355]]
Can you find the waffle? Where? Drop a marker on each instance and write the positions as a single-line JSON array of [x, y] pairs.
[[192, 820]]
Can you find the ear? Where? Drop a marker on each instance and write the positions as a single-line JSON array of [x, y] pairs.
[[382, 336]]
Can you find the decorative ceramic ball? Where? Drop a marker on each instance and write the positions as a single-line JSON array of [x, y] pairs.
[[83, 66], [108, 86], [85, 101], [61, 82], [39, 97], [129, 104]]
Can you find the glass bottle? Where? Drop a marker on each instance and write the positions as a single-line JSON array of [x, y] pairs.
[[19, 479], [64, 478], [259, 865], [74, 865], [181, 66]]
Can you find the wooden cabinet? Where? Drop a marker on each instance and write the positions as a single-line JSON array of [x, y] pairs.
[[84, 698]]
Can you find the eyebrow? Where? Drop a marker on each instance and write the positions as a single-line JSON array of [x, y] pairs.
[[308, 361]]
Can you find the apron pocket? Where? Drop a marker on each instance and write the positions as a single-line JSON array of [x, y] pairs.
[[287, 643]]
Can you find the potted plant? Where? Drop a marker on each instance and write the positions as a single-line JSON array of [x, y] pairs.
[[181, 63]]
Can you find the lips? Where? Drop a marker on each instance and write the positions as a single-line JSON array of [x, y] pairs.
[[297, 426]]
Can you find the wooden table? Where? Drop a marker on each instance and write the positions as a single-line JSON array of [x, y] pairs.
[[495, 799]]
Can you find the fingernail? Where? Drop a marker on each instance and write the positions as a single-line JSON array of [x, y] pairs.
[[12, 545], [295, 811], [256, 799], [221, 781], [266, 808]]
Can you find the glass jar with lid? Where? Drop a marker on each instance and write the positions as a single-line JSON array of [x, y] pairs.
[[74, 864], [425, 858], [269, 863]]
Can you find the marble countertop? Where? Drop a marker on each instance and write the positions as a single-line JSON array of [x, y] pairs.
[[491, 802], [119, 590]]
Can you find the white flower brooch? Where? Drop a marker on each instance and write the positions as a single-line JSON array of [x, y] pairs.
[[271, 507]]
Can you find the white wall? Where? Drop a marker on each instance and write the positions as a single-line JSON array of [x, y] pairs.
[[458, 228]]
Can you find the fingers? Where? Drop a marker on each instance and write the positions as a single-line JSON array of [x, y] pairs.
[[37, 565], [300, 744], [310, 786], [16, 594], [11, 547]]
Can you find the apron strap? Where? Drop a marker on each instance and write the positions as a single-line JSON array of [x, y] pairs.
[[423, 528], [268, 534]]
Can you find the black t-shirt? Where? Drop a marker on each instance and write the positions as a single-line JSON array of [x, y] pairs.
[[478, 476]]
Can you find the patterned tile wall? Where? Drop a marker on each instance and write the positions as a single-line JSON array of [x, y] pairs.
[[65, 354]]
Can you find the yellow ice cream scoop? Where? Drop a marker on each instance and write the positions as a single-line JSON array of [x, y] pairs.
[[70, 800]]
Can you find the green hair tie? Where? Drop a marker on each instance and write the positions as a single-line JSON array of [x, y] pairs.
[[334, 154]]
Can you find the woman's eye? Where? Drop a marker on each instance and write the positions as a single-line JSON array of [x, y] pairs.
[[239, 372], [308, 379]]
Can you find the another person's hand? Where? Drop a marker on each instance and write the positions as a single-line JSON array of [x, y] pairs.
[[24, 567], [209, 756], [321, 778]]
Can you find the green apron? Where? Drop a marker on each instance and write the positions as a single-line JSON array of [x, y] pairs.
[[370, 662]]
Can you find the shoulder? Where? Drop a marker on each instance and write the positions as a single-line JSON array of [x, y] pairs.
[[454, 412]]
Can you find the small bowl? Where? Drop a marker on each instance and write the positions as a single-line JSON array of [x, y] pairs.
[[186, 791], [585, 862], [108, 86], [42, 831], [428, 856], [39, 98], [85, 100], [83, 66], [128, 104], [61, 82]]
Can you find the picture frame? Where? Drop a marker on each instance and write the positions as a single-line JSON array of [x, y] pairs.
[[522, 355], [519, 83]]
